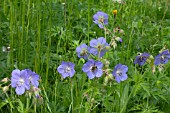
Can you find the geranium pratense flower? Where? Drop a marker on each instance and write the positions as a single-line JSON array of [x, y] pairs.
[[82, 51], [162, 58], [120, 72], [20, 81], [141, 59], [93, 68], [99, 46], [66, 69], [33, 77], [100, 18]]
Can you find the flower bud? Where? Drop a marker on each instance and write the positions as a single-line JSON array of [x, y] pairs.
[[118, 39], [161, 68], [121, 31], [113, 43], [5, 89], [107, 47], [153, 69], [106, 79], [5, 80]]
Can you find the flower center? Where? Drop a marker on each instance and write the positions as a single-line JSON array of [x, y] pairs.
[[67, 69], [141, 58], [163, 58], [83, 52], [93, 68], [21, 81], [101, 19], [100, 47], [119, 72]]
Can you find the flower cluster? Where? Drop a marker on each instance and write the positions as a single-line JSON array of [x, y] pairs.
[[161, 58], [98, 47], [23, 79], [93, 54], [94, 67]]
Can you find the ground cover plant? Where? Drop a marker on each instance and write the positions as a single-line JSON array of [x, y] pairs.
[[92, 56]]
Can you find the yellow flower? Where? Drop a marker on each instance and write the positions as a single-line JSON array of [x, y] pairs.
[[114, 12]]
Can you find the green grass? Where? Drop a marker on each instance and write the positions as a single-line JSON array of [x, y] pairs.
[[43, 33]]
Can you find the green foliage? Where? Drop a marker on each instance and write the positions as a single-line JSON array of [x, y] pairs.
[[43, 33]]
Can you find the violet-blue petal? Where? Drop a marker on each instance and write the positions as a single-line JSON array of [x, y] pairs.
[[99, 64], [86, 68], [20, 90], [72, 72], [101, 40], [93, 43], [90, 75], [99, 73], [117, 78]]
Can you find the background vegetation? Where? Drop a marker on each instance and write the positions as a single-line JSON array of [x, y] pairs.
[[43, 33]]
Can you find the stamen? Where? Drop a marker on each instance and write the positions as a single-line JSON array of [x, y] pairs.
[[119, 72], [67, 69]]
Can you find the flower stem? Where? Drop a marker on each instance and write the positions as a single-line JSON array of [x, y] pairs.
[[104, 32], [35, 108], [27, 104], [99, 54]]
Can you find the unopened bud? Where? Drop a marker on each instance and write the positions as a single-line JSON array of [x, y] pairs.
[[5, 89], [153, 69], [118, 39], [160, 68], [121, 31], [5, 80], [150, 60], [107, 47], [110, 77], [113, 43], [106, 79]]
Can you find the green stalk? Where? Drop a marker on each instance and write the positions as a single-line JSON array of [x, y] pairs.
[[35, 111], [11, 33], [55, 91], [72, 102], [89, 18], [22, 34], [27, 104], [47, 100], [27, 28], [38, 41], [49, 46], [130, 41]]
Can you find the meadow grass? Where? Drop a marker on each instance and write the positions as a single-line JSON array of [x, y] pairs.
[[43, 33]]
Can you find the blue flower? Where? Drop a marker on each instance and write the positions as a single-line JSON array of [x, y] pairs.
[[20, 81], [82, 51], [99, 46], [66, 69], [33, 78], [162, 58], [141, 59], [100, 18], [120, 72], [93, 68]]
